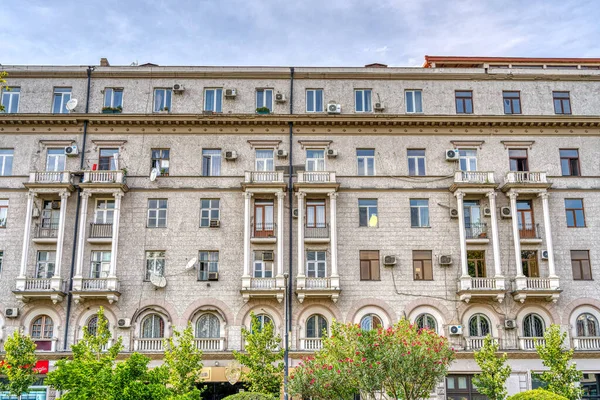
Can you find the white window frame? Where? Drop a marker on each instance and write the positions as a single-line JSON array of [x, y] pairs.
[[42, 265], [164, 99], [3, 163], [264, 160], [415, 160], [3, 212], [313, 93], [315, 161], [214, 158], [100, 267], [369, 209], [101, 214], [212, 264], [366, 159], [419, 213], [263, 266], [63, 94], [316, 268], [209, 210], [413, 101], [462, 157], [158, 210], [57, 159], [154, 256], [11, 93], [367, 100], [218, 93], [110, 91], [264, 98]]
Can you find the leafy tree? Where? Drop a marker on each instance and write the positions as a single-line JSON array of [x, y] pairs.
[[250, 396], [263, 357], [132, 380], [3, 75], [494, 371], [537, 394], [563, 377], [19, 364]]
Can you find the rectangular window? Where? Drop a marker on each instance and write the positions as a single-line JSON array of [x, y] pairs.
[[476, 263], [105, 211], [315, 160], [525, 220], [464, 102], [160, 161], [316, 264], [6, 161], [422, 265], [419, 213], [60, 99], [157, 213], [45, 264], [367, 213], [208, 269], [461, 387], [211, 162], [369, 265], [416, 162], [362, 100], [366, 162], [213, 100], [314, 100], [562, 102], [264, 160], [108, 160], [529, 261], [315, 214], [113, 97], [55, 159], [49, 218], [100, 264], [162, 99], [569, 162], [263, 219], [580, 262], [264, 98], [512, 102], [518, 159], [3, 213], [467, 159], [263, 264], [575, 213], [414, 102], [155, 264], [209, 211], [10, 99]]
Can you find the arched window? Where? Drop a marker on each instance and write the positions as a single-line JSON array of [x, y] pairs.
[[479, 326], [42, 328], [533, 326], [208, 326], [316, 326], [426, 321], [370, 321], [587, 325], [153, 327], [92, 325], [264, 319]]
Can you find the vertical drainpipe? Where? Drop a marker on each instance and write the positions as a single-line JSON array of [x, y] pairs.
[[78, 206]]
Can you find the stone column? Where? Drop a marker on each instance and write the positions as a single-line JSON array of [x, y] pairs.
[[335, 277], [112, 272], [78, 278], [56, 278], [26, 239], [280, 281], [465, 279], [301, 278], [246, 275], [520, 279], [495, 241], [549, 246]]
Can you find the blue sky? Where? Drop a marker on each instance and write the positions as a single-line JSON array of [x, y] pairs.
[[298, 32]]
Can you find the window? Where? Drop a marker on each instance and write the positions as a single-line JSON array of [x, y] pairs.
[[108, 160], [315, 214], [92, 325], [416, 162], [209, 266], [6, 162], [162, 99], [263, 219], [55, 160], [367, 212], [569, 162], [370, 321], [100, 264], [422, 265], [530, 263], [211, 162], [3, 213], [512, 102], [461, 387], [518, 160], [155, 264], [314, 100], [157, 213], [464, 102], [587, 325], [366, 162], [476, 263], [414, 102], [213, 100], [591, 386], [474, 228], [10, 99], [426, 321], [49, 218], [479, 326], [113, 97], [369, 265], [209, 210], [316, 326], [42, 328], [580, 262], [264, 160], [362, 100], [575, 213], [533, 326], [208, 326], [263, 266], [315, 160], [527, 228], [263, 320], [153, 327], [419, 213], [264, 98], [467, 159], [45, 264], [316, 265], [160, 161], [105, 211], [562, 102], [60, 99]]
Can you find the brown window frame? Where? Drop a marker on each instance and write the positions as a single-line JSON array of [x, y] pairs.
[[106, 159], [581, 276], [524, 231], [517, 159], [369, 265], [573, 211], [529, 261], [420, 261], [463, 101], [316, 203], [569, 163], [261, 228], [479, 261], [512, 101], [563, 101]]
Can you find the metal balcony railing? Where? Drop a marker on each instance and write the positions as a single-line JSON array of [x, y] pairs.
[[316, 231], [526, 177], [100, 231], [264, 230], [530, 231], [477, 230], [43, 231]]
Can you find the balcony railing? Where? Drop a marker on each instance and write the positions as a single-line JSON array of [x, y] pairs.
[[529, 343], [483, 283], [104, 177], [149, 345], [100, 231], [264, 230], [94, 284], [538, 284], [311, 344], [586, 343], [210, 344], [38, 284], [316, 177], [316, 231], [46, 231], [476, 231], [477, 177], [263, 177], [526, 177], [530, 231], [318, 283], [476, 343], [262, 283], [50, 177]]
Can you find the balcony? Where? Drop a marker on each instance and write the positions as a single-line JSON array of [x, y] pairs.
[[263, 232], [262, 288], [210, 344], [149, 345], [95, 288], [545, 288], [586, 343], [50, 179], [100, 233], [316, 177], [47, 233], [311, 344], [476, 343], [40, 288], [493, 288], [476, 233], [529, 343], [104, 179], [307, 287], [530, 234], [317, 233], [525, 180], [473, 180], [264, 177]]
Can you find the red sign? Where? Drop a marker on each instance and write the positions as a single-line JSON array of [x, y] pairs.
[[42, 367]]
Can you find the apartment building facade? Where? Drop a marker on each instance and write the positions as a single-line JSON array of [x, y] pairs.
[[462, 195]]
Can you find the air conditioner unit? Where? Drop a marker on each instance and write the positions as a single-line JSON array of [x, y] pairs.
[[178, 88], [487, 212], [452, 155], [267, 256], [454, 213], [379, 106], [282, 153], [231, 155], [55, 205], [295, 213], [510, 324], [333, 108], [214, 223], [505, 212], [280, 98], [445, 260], [230, 93], [455, 330], [124, 322], [11, 312], [389, 260], [71, 151], [332, 153], [213, 276], [544, 254]]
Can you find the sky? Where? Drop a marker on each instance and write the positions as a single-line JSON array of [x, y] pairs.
[[292, 33]]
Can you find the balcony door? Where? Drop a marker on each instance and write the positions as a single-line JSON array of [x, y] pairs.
[[525, 219], [315, 214], [473, 226], [263, 219], [105, 210], [50, 217]]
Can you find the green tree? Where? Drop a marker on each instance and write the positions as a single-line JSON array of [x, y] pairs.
[[263, 357], [19, 364], [3, 75], [537, 394], [494, 371], [562, 377]]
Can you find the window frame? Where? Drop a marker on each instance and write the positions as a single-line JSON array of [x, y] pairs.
[[463, 99], [209, 161], [104, 212], [480, 331], [529, 320], [264, 264], [4, 165], [372, 258], [57, 158], [11, 93], [43, 265], [415, 160], [419, 260], [161, 326], [100, 267], [210, 210], [365, 160], [573, 212], [264, 98], [167, 98], [513, 99], [422, 323], [316, 161], [62, 92], [312, 219], [4, 203], [154, 257], [217, 101], [208, 265], [413, 101], [588, 317], [532, 263], [369, 213], [570, 163], [113, 162], [580, 262], [43, 328], [314, 96], [462, 156], [419, 214], [318, 320], [160, 159], [518, 159], [158, 209], [210, 335], [264, 160], [366, 100], [477, 257], [110, 91], [369, 320], [562, 101], [317, 264]]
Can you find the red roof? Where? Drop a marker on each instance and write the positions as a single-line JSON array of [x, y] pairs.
[[429, 60]]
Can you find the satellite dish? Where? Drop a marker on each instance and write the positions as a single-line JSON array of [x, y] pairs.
[[191, 264], [157, 280], [71, 104], [153, 174]]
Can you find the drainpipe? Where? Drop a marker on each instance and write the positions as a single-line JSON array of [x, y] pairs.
[[77, 207]]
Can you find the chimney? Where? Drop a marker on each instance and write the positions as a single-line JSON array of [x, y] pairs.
[[104, 62]]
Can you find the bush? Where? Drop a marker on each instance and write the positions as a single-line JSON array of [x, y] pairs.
[[250, 396], [537, 394]]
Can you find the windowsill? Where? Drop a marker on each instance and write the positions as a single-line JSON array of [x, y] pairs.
[[372, 227], [420, 227], [156, 227], [584, 280], [576, 227], [422, 280], [415, 113], [370, 280]]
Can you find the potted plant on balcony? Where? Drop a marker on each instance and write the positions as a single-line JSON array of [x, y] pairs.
[[263, 110], [112, 110], [164, 172], [164, 110]]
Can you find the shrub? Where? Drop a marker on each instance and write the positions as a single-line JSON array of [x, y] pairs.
[[537, 394], [250, 396]]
